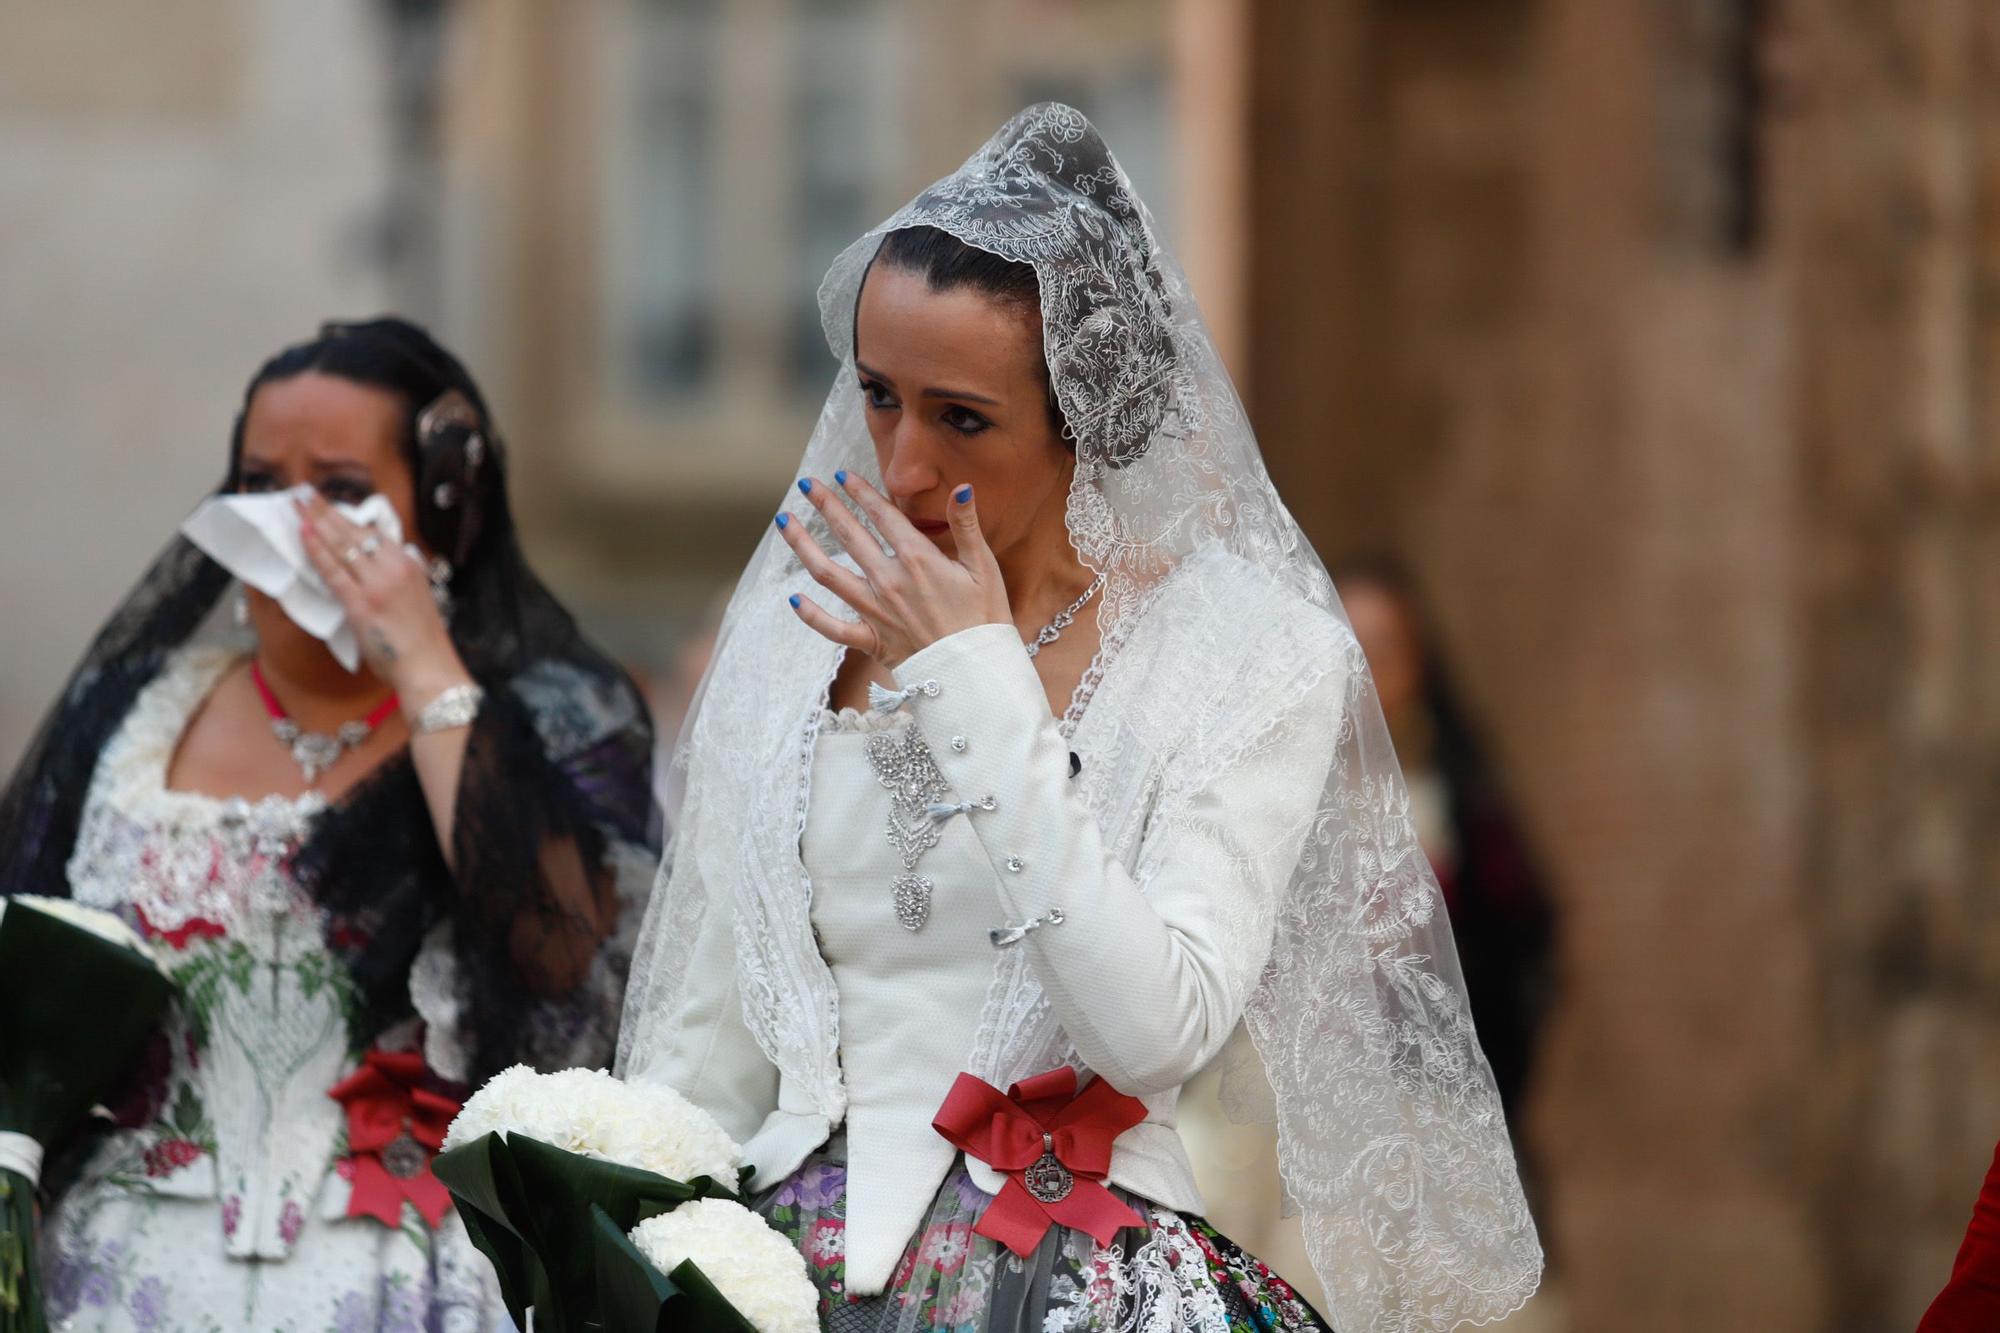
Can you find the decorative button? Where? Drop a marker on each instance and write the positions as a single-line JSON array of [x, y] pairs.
[[943, 810], [1006, 936], [1016, 864], [958, 744]]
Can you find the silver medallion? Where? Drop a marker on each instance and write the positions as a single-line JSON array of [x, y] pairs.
[[1048, 1179], [315, 752], [404, 1158]]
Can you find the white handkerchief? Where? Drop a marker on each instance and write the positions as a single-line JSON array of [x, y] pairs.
[[256, 538]]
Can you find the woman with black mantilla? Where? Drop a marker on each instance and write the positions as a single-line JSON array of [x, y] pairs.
[[372, 886]]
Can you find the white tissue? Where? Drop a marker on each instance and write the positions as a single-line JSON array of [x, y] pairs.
[[256, 538]]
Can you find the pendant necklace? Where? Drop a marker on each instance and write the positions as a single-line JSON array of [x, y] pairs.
[[313, 751]]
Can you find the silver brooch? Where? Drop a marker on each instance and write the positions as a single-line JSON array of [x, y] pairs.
[[1047, 1178], [904, 765], [404, 1157]]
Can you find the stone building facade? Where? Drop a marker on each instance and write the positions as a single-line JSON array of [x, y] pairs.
[[1661, 338]]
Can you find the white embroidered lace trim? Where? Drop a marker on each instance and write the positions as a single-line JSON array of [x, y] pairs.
[[177, 855]]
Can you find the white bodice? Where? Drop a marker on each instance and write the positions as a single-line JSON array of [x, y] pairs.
[[909, 1000], [260, 1029]]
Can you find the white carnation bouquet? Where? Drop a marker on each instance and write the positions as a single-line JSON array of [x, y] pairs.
[[79, 992], [588, 1111], [606, 1204]]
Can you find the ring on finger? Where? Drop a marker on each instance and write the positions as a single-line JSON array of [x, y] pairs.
[[371, 544], [350, 555]]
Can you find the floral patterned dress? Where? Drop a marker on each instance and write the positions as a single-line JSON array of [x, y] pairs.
[[1174, 1273], [221, 1201]]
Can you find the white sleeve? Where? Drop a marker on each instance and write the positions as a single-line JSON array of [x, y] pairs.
[[704, 1049], [1148, 976]]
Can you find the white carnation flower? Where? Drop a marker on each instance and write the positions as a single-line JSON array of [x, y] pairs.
[[588, 1111], [106, 926], [755, 1268]]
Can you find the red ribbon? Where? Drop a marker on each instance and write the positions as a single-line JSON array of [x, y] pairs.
[[1010, 1134], [191, 928], [384, 1102]]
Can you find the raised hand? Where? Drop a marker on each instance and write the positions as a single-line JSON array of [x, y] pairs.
[[387, 597], [909, 594]]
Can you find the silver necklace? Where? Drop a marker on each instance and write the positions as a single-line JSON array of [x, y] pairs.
[[1064, 618], [315, 752]]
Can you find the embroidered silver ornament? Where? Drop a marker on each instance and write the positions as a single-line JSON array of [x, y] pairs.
[[404, 1157], [903, 764], [912, 894], [1048, 1179]]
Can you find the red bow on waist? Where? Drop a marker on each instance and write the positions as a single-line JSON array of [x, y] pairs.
[[1054, 1146], [394, 1128]]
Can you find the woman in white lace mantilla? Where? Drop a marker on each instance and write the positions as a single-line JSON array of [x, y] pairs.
[[1035, 741], [371, 887]]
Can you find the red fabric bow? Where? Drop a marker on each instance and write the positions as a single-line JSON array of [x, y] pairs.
[[384, 1102], [1043, 1115]]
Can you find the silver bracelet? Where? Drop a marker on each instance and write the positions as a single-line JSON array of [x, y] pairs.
[[454, 707]]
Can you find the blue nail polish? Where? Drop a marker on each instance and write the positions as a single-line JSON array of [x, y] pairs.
[[840, 477], [794, 600], [963, 495], [805, 486], [784, 520]]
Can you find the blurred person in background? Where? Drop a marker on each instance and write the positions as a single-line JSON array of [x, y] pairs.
[[1500, 911], [1500, 914], [373, 882], [1003, 817]]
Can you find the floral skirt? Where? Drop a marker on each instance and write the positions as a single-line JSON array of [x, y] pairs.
[[116, 1259], [1176, 1273]]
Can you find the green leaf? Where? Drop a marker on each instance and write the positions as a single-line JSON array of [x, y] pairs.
[[484, 1186], [186, 1115], [530, 1206], [55, 1064]]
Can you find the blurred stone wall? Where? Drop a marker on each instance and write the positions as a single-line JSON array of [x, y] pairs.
[[183, 189], [1661, 338], [1894, 241]]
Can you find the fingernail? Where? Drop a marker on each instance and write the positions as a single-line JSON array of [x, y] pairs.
[[784, 520], [794, 600], [840, 477], [805, 486], [963, 495]]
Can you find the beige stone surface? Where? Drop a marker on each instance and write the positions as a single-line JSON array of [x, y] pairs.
[[1710, 529], [150, 258]]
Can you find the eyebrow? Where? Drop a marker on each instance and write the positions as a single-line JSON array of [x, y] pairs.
[[321, 466], [873, 373]]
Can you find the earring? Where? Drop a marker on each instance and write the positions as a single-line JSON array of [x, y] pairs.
[[439, 573], [240, 612]]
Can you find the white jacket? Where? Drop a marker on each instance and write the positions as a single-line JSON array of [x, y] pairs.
[[1168, 854]]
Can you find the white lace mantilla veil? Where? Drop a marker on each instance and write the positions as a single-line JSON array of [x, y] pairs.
[[1391, 1139]]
